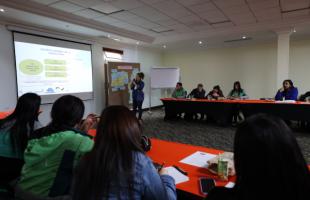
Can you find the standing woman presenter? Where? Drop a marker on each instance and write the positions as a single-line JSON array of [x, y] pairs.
[[137, 86]]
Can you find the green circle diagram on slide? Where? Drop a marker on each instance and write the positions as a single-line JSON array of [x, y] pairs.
[[31, 67]]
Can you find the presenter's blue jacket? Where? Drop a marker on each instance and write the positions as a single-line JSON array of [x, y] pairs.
[[290, 94], [137, 91]]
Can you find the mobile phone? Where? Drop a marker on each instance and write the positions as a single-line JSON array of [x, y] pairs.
[[206, 185]]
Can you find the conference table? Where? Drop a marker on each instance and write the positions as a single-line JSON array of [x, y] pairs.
[[223, 110], [171, 153]]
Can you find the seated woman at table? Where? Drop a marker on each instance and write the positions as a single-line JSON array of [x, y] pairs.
[[216, 93], [179, 91], [287, 92], [268, 161], [198, 93], [237, 92], [14, 134], [117, 167]]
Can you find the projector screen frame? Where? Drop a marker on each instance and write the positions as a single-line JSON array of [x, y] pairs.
[[50, 99]]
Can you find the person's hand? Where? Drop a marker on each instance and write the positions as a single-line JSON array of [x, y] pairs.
[[281, 89], [163, 171], [88, 123]]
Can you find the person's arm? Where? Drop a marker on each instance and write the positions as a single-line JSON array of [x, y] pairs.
[[140, 85], [157, 187], [244, 95], [184, 93], [174, 95], [294, 94], [279, 96], [192, 93], [133, 84], [203, 94]]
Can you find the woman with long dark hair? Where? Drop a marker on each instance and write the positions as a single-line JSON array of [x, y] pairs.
[[15, 130], [269, 163], [53, 151], [287, 92], [117, 167], [237, 92]]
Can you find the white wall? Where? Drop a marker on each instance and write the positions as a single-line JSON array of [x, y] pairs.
[[300, 65], [147, 58], [253, 65]]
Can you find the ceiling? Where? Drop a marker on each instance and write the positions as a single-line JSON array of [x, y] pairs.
[[161, 22]]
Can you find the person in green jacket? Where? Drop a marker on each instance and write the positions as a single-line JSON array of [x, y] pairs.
[[54, 151], [179, 91]]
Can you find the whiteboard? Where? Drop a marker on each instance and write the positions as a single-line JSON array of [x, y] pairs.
[[162, 77]]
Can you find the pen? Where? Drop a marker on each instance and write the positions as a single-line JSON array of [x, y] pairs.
[[161, 166], [180, 170]]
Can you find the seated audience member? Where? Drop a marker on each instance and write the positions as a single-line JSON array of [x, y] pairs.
[[198, 93], [53, 151], [287, 92], [14, 133], [216, 93], [305, 97], [237, 92], [268, 161], [179, 91], [117, 167]]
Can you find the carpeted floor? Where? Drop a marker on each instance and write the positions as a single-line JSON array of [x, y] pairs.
[[201, 133]]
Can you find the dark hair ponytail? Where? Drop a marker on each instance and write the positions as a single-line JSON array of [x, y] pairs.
[[23, 118], [141, 75]]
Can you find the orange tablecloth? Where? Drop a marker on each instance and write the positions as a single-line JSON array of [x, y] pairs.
[[4, 114], [171, 153]]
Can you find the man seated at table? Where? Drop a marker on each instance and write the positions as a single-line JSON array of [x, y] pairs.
[[179, 91], [198, 93], [216, 93], [287, 92]]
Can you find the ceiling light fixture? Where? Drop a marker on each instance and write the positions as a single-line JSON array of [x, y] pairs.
[[2, 10], [294, 30], [116, 39], [138, 43], [200, 42], [109, 35], [244, 37], [164, 46]]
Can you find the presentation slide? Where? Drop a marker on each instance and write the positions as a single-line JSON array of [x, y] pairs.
[[51, 70]]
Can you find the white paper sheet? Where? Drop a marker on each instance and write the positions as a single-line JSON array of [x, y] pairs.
[[230, 185], [178, 176], [198, 159]]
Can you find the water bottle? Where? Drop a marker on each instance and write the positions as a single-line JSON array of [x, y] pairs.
[[222, 168]]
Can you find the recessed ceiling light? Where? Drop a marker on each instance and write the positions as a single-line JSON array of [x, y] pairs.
[[138, 43], [294, 30], [244, 37], [164, 46], [109, 35], [200, 42], [116, 39], [2, 10]]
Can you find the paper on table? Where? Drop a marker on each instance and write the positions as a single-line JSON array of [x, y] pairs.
[[176, 175], [198, 159], [230, 185]]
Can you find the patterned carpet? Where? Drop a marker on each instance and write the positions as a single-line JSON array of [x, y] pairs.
[[202, 133]]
